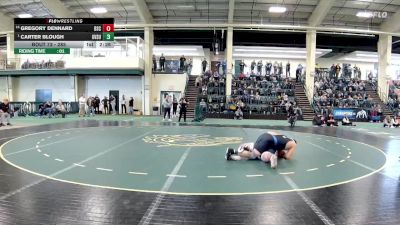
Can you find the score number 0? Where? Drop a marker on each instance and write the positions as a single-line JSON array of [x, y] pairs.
[[108, 27]]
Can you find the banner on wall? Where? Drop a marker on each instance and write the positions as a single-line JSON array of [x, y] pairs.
[[237, 67], [219, 67], [352, 113], [171, 66], [43, 95]]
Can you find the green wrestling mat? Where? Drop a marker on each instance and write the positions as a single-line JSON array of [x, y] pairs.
[[187, 160]]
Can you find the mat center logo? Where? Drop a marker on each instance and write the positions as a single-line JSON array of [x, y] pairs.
[[189, 140]]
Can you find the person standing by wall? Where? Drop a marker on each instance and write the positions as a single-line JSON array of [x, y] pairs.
[[299, 72], [123, 105], [5, 113], [252, 66], [204, 65], [82, 105], [90, 106], [189, 67], [131, 111], [97, 104], [112, 104], [183, 108], [182, 61], [154, 63], [162, 62], [288, 69], [241, 66], [259, 67], [174, 107], [105, 105], [167, 103]]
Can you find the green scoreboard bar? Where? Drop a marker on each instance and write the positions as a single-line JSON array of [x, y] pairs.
[[41, 50]]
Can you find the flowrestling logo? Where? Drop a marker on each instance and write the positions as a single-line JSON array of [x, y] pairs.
[[190, 140], [373, 14]]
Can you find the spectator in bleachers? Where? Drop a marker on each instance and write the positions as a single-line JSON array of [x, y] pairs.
[[198, 81], [216, 75], [5, 111], [203, 105], [204, 90], [238, 114]]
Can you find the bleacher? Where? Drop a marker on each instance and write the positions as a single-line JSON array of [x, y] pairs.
[[257, 96], [346, 92], [394, 97]]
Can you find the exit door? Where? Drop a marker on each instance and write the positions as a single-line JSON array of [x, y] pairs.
[[115, 93]]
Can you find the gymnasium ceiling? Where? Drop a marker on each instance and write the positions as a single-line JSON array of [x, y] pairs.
[[336, 13], [323, 13]]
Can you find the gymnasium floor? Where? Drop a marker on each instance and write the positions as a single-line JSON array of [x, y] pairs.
[[124, 170]]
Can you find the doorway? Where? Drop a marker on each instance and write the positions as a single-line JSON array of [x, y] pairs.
[[115, 93], [172, 94]]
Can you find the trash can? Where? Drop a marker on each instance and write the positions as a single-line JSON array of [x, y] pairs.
[[155, 111]]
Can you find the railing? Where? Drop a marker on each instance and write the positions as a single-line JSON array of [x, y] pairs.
[[216, 106], [309, 95], [10, 64], [384, 96], [186, 83], [15, 64]]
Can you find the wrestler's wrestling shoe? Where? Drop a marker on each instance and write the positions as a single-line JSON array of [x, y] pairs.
[[274, 160], [229, 152]]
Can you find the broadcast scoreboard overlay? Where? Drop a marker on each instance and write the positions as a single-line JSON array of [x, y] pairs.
[[59, 35]]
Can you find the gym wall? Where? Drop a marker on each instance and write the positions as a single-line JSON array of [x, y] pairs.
[[62, 87], [166, 82], [128, 86]]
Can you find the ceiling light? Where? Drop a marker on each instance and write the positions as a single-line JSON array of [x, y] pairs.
[[25, 15], [373, 55], [185, 6], [270, 56], [277, 9], [98, 10], [364, 14], [360, 60], [174, 49], [275, 51]]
